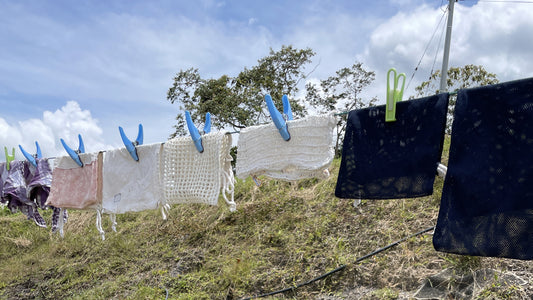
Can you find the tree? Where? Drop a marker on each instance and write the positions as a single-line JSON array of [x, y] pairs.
[[458, 78], [239, 101], [343, 89]]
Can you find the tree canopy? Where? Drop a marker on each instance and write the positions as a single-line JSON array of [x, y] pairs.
[[343, 88], [239, 101], [458, 78]]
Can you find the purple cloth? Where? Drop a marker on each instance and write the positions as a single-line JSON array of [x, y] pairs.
[[39, 185], [39, 189], [16, 183], [55, 218], [3, 177], [15, 191]]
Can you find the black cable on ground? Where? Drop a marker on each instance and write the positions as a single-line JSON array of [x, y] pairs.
[[341, 267]]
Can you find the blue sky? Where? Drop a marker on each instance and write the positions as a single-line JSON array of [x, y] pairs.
[[69, 67]]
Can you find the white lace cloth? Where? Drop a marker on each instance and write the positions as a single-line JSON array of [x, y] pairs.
[[193, 177], [129, 185], [262, 151]]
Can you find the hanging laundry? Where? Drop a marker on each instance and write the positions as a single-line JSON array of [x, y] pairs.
[[39, 189], [193, 177], [3, 177], [77, 187], [15, 192], [129, 185], [40, 182], [74, 186], [308, 153], [487, 201], [391, 160]]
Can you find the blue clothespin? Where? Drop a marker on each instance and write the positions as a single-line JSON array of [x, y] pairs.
[[394, 95], [9, 158], [32, 158], [195, 134], [277, 118], [131, 145], [74, 154]]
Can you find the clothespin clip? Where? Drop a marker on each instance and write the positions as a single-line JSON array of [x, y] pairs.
[[280, 120], [131, 145], [195, 134], [32, 158], [393, 96], [9, 158], [74, 154]]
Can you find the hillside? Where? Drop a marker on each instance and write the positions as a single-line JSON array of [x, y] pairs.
[[282, 234]]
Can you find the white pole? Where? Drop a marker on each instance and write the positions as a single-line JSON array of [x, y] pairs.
[[444, 69]]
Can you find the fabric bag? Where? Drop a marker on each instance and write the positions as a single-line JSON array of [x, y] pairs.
[[487, 200], [193, 177], [392, 160], [309, 152], [74, 186], [129, 185]]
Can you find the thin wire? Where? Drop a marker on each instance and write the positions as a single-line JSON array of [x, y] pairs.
[[342, 267], [437, 51], [427, 46], [342, 113]]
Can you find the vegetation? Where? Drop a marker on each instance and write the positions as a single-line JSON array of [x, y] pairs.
[[343, 88], [238, 101], [282, 234], [458, 78]]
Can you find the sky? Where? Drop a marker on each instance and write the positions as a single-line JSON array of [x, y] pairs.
[[86, 67]]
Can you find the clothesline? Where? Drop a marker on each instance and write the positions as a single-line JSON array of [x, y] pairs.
[[347, 111], [490, 169]]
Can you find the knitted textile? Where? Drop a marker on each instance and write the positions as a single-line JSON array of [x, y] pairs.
[[193, 177], [129, 185], [487, 201], [309, 152], [391, 160], [74, 186]]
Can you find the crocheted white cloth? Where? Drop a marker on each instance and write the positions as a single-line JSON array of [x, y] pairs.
[[193, 177], [262, 151], [129, 185]]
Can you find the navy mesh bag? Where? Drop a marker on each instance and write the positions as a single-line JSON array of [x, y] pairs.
[[487, 201], [391, 160]]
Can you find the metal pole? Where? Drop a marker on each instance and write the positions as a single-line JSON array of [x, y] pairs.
[[444, 70]]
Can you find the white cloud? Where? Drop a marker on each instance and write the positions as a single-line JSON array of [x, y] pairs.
[[120, 62], [66, 122], [495, 35]]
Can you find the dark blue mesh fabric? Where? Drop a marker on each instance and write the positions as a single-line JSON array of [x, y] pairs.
[[391, 160], [487, 201]]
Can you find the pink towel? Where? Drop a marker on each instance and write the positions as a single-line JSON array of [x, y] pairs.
[[77, 187]]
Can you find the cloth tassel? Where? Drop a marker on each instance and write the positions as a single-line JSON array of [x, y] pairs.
[[165, 209], [61, 222], [99, 224], [228, 184], [113, 218]]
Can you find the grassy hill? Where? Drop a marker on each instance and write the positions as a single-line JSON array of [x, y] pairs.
[[282, 234]]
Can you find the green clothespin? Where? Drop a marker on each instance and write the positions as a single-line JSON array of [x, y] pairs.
[[9, 158], [393, 96]]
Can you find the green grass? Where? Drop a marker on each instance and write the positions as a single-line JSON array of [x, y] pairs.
[[282, 234]]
